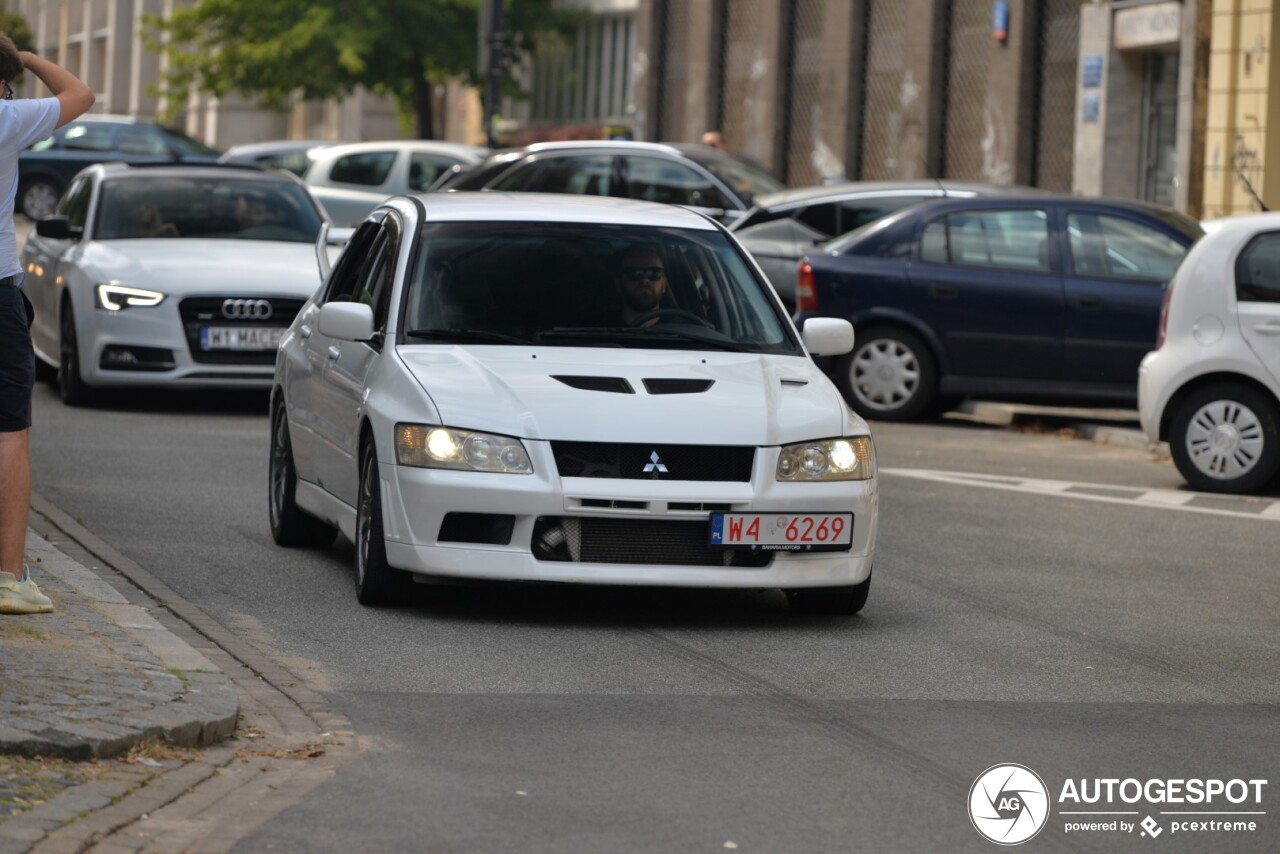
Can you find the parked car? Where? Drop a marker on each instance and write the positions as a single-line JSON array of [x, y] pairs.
[[292, 155], [351, 180], [464, 398], [1049, 298], [781, 228], [175, 276], [695, 176], [46, 168], [1211, 388]]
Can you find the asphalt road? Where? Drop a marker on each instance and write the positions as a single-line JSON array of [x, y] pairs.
[[1090, 633]]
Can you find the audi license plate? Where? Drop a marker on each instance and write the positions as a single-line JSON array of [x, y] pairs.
[[240, 337], [790, 532]]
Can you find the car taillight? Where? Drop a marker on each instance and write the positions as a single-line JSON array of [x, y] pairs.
[[1164, 314], [806, 293]]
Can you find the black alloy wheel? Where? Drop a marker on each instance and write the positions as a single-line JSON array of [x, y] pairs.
[[291, 526], [71, 387], [377, 582]]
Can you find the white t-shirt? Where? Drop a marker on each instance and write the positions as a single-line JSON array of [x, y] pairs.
[[21, 124]]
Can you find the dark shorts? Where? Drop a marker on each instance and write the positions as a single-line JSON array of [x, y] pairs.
[[17, 360]]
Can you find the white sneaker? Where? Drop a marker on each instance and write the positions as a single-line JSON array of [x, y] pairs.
[[22, 597]]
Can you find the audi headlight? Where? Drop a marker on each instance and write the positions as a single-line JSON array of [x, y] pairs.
[[114, 296], [446, 448], [851, 458]]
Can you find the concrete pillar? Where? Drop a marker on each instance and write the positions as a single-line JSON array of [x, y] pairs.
[[646, 70], [755, 113], [1091, 105], [844, 63], [920, 143], [1009, 147], [1193, 110]]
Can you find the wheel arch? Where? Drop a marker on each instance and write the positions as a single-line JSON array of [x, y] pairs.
[[881, 317], [1193, 385]]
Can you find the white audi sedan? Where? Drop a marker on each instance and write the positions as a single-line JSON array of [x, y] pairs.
[[171, 275], [571, 389]]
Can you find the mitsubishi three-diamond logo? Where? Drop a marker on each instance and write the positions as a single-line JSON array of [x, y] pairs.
[[1008, 804], [655, 466]]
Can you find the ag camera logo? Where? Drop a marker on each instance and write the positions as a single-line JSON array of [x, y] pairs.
[[1008, 804]]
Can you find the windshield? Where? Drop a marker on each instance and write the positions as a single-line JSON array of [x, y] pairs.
[[206, 207], [589, 285], [746, 179]]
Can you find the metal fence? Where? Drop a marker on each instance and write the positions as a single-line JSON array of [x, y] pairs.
[[1056, 95], [887, 90], [972, 145], [808, 158]]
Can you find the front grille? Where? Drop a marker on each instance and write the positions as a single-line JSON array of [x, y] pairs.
[[197, 312], [651, 541], [654, 462]]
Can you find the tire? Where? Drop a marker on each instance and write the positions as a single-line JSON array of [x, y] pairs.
[[39, 198], [1226, 438], [291, 526], [71, 387], [845, 601], [377, 582], [890, 376]]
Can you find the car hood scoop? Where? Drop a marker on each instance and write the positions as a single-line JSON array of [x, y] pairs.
[[544, 393], [617, 385], [663, 385]]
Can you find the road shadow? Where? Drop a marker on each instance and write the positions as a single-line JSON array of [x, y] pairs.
[[177, 402]]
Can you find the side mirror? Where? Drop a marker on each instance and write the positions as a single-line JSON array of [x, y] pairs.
[[346, 321], [56, 227], [827, 336]]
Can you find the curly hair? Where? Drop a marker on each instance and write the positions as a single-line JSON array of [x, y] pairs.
[[10, 62]]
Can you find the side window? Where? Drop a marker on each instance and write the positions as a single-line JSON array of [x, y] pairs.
[[590, 176], [424, 169], [933, 243], [823, 218], [1012, 240], [360, 254], [655, 180], [1121, 248], [1258, 270], [136, 140], [368, 168], [374, 286], [75, 203], [89, 137], [858, 212]]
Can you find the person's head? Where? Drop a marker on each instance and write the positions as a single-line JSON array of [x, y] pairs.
[[250, 210], [10, 65], [714, 139], [641, 279], [146, 216]]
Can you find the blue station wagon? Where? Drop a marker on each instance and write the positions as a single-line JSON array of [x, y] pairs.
[[1035, 298]]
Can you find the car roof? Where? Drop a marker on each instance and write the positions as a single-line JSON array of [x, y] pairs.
[[493, 205], [853, 189], [115, 170], [457, 148], [1243, 223], [277, 145], [602, 144], [110, 118]]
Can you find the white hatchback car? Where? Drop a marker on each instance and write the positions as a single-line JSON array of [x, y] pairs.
[[1211, 388], [572, 389], [170, 275]]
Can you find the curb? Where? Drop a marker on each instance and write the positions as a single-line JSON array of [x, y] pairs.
[[100, 675], [1117, 427]]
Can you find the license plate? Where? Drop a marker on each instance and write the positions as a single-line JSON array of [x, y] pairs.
[[240, 337], [793, 532]]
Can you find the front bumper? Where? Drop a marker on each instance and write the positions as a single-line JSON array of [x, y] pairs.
[[416, 502]]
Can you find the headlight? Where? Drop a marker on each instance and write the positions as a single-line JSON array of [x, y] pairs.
[[446, 448], [114, 296], [853, 458]]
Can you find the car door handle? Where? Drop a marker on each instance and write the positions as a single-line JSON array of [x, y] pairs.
[[304, 331], [334, 351], [1270, 327], [1088, 301], [944, 291]]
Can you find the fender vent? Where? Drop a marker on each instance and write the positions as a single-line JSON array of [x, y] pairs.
[[670, 386], [617, 385]]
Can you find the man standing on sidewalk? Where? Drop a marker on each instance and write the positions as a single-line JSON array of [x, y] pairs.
[[21, 124]]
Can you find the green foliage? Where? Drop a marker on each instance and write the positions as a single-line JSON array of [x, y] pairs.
[[277, 51], [15, 27]]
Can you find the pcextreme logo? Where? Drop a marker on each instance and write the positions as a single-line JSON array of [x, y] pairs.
[[1008, 804]]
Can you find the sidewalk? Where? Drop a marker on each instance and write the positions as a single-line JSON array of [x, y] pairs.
[[1117, 427], [100, 675]]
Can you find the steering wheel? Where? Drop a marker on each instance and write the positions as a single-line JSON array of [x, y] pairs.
[[641, 320]]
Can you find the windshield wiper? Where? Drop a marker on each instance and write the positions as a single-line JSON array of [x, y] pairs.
[[465, 335], [642, 335]]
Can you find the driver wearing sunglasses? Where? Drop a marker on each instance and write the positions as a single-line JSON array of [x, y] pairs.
[[641, 282]]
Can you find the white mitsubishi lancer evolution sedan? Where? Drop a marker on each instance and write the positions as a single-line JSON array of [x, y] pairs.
[[554, 388]]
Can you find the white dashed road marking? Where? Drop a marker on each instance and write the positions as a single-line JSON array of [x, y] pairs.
[[1240, 507]]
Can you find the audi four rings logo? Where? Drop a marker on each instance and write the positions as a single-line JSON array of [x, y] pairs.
[[246, 309]]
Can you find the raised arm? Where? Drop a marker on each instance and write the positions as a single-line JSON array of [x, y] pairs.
[[74, 96]]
